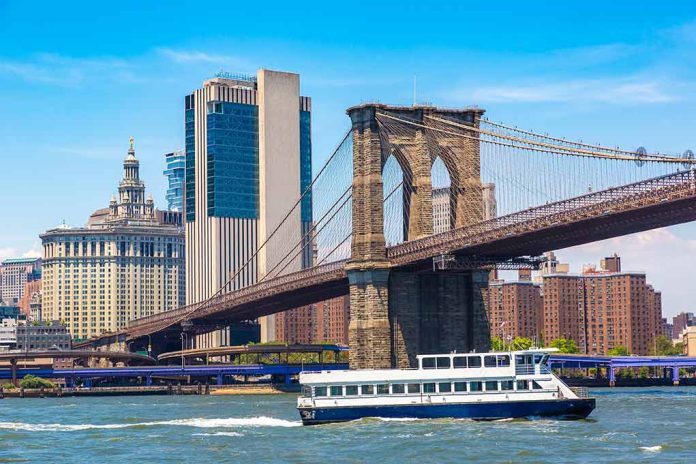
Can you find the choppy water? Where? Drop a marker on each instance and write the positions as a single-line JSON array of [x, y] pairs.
[[629, 425]]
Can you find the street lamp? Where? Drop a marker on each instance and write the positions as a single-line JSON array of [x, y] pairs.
[[183, 338]]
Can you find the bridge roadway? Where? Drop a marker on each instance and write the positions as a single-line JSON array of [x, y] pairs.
[[15, 356], [612, 363], [236, 351], [148, 372], [649, 204]]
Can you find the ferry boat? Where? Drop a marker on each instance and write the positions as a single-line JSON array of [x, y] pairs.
[[479, 386]]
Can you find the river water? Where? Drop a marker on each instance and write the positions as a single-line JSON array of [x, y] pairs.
[[629, 425]]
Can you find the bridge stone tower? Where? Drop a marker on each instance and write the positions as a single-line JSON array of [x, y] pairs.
[[397, 314]]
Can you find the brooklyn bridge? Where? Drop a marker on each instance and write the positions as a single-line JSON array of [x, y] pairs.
[[416, 286]]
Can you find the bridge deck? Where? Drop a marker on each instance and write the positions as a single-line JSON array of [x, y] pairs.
[[658, 202]]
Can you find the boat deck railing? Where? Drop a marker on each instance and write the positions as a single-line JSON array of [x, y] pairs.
[[529, 369], [581, 392]]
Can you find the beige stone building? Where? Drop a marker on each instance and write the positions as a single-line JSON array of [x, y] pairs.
[[127, 262]]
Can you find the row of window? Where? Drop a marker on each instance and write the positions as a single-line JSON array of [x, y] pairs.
[[461, 362], [473, 386]]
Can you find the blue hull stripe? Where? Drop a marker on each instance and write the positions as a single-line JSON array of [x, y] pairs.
[[566, 409]]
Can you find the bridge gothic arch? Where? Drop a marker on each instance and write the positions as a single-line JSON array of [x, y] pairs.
[[380, 336]]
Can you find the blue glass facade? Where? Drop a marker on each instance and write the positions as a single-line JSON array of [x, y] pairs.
[[306, 164], [190, 149], [175, 172], [233, 160]]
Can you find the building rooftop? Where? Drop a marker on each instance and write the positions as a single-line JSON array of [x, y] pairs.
[[20, 260]]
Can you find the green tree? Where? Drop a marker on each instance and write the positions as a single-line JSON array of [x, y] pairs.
[[31, 381], [497, 344], [618, 350], [564, 345], [521, 343], [665, 347]]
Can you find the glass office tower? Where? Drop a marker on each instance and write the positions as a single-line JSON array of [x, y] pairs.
[[248, 158]]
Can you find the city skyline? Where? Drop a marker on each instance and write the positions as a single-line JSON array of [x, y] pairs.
[[636, 72]]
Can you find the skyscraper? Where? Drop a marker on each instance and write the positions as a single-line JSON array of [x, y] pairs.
[[248, 157], [126, 263], [175, 172]]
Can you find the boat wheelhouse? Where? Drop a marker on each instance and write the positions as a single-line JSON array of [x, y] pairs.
[[481, 386]]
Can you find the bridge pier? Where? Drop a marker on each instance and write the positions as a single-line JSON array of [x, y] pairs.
[[436, 312], [369, 330], [675, 376]]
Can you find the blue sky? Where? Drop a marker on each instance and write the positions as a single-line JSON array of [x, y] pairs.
[[78, 78]]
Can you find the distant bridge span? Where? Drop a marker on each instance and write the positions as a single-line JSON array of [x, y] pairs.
[[658, 202]]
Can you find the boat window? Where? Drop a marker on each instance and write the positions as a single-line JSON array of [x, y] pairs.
[[489, 361], [443, 363], [368, 389], [459, 387], [307, 391], [428, 388], [459, 362], [414, 388], [319, 391], [474, 361], [428, 363], [537, 358], [536, 386], [383, 389], [445, 387], [507, 385], [520, 360], [475, 386], [504, 361], [336, 390], [351, 390], [491, 385], [523, 385], [397, 388]]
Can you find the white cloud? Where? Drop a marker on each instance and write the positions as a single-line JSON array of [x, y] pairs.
[[11, 252], [66, 71], [194, 56], [620, 91]]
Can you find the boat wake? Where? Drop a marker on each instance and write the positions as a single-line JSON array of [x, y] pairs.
[[232, 422], [652, 449]]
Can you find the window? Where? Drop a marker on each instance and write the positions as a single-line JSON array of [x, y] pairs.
[[491, 385], [507, 385], [489, 361], [319, 391], [504, 361], [444, 387], [351, 390], [428, 363], [459, 362], [336, 390], [414, 388], [443, 363], [536, 386], [459, 387], [428, 388], [474, 361], [475, 386], [369, 389], [397, 389]]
